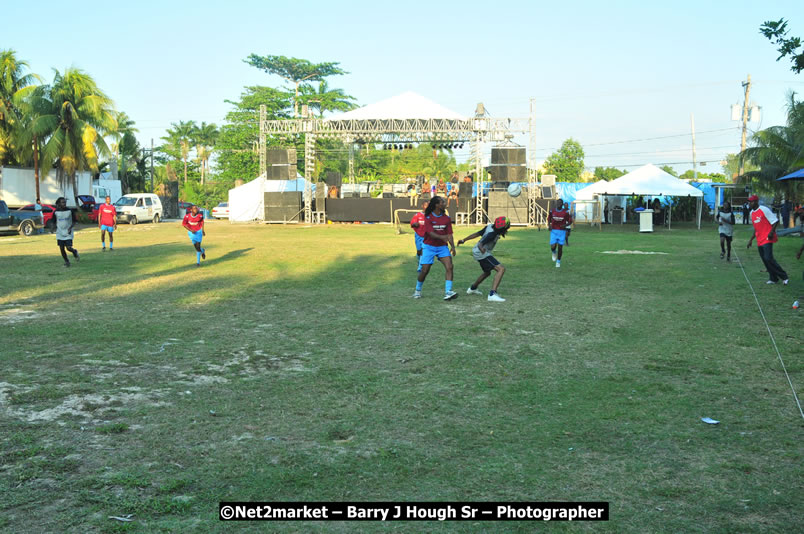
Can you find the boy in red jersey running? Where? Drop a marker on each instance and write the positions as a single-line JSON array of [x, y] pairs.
[[558, 219], [765, 222], [438, 232], [194, 222], [107, 222]]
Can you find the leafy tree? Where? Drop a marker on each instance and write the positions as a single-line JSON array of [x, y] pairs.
[[669, 170], [566, 163], [731, 167], [608, 173], [126, 148], [713, 176], [238, 157], [326, 99], [296, 71], [73, 115], [776, 32]]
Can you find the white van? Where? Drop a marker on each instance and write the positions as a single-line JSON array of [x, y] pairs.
[[138, 207]]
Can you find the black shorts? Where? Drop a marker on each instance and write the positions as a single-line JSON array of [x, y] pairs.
[[728, 237], [488, 263], [64, 242]]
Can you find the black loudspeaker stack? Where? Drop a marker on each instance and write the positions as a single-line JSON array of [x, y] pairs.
[[283, 206], [508, 165], [281, 164]]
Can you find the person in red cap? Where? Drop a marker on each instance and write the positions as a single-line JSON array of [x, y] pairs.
[[482, 253], [765, 222]]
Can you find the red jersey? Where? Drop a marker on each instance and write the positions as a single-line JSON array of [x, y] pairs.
[[762, 218], [418, 218], [440, 224], [106, 214], [559, 220], [195, 222]]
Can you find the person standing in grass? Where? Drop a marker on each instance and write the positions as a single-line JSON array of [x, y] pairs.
[[438, 232], [65, 222], [765, 222], [482, 253], [107, 222], [726, 229], [418, 225], [194, 222], [558, 219]]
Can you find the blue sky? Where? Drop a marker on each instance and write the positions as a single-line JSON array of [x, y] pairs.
[[612, 75]]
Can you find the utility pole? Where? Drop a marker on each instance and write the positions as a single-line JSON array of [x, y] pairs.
[[152, 164], [747, 87], [694, 164]]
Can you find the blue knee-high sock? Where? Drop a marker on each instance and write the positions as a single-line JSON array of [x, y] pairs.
[[198, 257], [111, 245], [448, 286], [419, 285]]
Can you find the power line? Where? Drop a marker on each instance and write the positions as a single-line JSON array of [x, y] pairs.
[[655, 151]]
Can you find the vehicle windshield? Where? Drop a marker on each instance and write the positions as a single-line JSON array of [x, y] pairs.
[[125, 201], [223, 205]]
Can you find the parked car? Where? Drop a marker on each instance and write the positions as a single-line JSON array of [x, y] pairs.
[[47, 214], [24, 222], [136, 207], [221, 211]]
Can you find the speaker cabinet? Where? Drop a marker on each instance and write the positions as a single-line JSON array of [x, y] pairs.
[[282, 172], [508, 155], [283, 206], [281, 156]]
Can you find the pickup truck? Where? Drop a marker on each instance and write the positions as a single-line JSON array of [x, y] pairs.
[[25, 222]]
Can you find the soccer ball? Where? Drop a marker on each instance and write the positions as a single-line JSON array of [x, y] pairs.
[[514, 190]]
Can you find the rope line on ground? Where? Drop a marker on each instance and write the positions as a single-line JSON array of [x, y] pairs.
[[773, 339]]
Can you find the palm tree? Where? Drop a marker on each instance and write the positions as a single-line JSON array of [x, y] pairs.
[[72, 114], [204, 137], [180, 136], [777, 150], [326, 99], [125, 143], [15, 86]]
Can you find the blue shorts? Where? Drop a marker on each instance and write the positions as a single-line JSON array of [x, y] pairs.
[[109, 229], [195, 237], [430, 253], [557, 237], [419, 242]]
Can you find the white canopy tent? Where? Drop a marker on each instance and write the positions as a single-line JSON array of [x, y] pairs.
[[650, 180], [587, 205], [247, 202]]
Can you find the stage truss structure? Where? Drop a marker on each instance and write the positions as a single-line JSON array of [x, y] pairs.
[[476, 131]]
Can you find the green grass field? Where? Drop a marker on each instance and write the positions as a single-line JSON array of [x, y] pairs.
[[294, 366]]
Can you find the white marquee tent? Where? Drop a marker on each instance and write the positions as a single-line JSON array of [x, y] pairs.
[[650, 180], [247, 202]]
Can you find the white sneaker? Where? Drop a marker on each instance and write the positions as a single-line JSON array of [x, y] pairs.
[[417, 294], [558, 263], [555, 257], [496, 298], [786, 281], [770, 282], [471, 291], [449, 295]]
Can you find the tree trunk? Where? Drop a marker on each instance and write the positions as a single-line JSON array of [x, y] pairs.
[[36, 165], [185, 170]]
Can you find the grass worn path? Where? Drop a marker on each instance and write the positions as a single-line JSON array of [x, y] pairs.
[[295, 366]]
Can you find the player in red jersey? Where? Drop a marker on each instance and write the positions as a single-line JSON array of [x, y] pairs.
[[765, 222], [558, 219], [417, 223], [438, 232], [194, 222], [107, 222]]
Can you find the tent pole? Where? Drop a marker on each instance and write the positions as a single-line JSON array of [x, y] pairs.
[[700, 209]]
